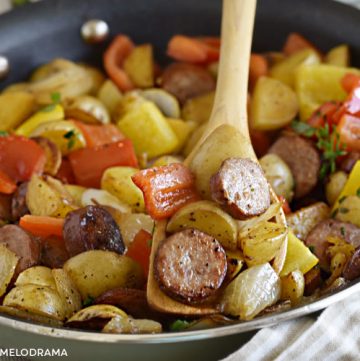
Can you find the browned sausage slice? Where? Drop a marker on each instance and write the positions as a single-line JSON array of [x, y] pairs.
[[89, 228], [53, 252], [186, 81], [352, 267], [25, 246], [241, 187], [303, 160], [317, 238], [18, 202], [131, 300], [190, 265]]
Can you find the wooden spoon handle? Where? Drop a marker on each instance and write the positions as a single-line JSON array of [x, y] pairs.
[[232, 85]]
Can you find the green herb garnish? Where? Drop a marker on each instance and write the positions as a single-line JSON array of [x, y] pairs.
[[56, 99], [342, 199], [358, 192], [179, 325], [88, 301], [327, 142], [343, 210], [342, 231], [71, 137], [3, 133]]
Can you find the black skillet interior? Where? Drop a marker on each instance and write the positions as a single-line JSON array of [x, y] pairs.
[[36, 33]]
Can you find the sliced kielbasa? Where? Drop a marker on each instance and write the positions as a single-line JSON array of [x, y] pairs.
[[91, 227], [303, 160], [190, 265], [131, 300], [241, 187], [22, 244], [53, 252], [186, 81], [318, 236], [18, 202], [352, 267]]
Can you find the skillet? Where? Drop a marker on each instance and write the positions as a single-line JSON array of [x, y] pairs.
[[32, 35]]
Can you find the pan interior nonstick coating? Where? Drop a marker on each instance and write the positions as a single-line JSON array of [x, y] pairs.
[[36, 33]]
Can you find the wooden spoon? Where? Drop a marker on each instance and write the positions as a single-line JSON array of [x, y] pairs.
[[229, 111]]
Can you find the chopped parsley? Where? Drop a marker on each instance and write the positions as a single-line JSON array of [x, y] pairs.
[[342, 231], [56, 99], [88, 301], [71, 137], [179, 325], [328, 143], [3, 133], [358, 192]]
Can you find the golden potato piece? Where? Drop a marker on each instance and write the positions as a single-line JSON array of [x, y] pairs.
[[38, 275], [317, 84], [94, 272], [41, 300], [110, 95], [8, 262], [15, 107], [44, 197], [97, 311], [29, 316], [117, 181], [183, 131], [198, 109], [285, 70], [349, 210], [67, 291], [128, 325], [335, 185], [292, 287], [207, 217], [305, 219], [139, 65], [75, 192], [338, 56], [167, 159], [273, 104]]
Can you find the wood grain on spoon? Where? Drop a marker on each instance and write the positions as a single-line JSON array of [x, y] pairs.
[[229, 111]]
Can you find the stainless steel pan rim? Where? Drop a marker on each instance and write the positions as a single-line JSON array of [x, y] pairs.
[[265, 321]]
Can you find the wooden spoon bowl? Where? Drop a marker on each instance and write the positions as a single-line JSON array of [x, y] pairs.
[[229, 111]]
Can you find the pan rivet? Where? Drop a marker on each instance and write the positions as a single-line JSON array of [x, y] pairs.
[[4, 67], [94, 31]]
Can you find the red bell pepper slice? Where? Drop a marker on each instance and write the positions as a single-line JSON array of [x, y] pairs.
[[166, 189], [89, 164]]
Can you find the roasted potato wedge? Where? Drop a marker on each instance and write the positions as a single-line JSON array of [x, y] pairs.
[[76, 193], [52, 153], [292, 287], [139, 65], [41, 300], [45, 197], [8, 262], [335, 185], [94, 272], [117, 181], [38, 275], [110, 95], [130, 325], [305, 219], [87, 109], [183, 130], [273, 105], [29, 316], [198, 109], [349, 210], [15, 107], [285, 70], [207, 217], [167, 159], [165, 101], [67, 291], [338, 56]]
